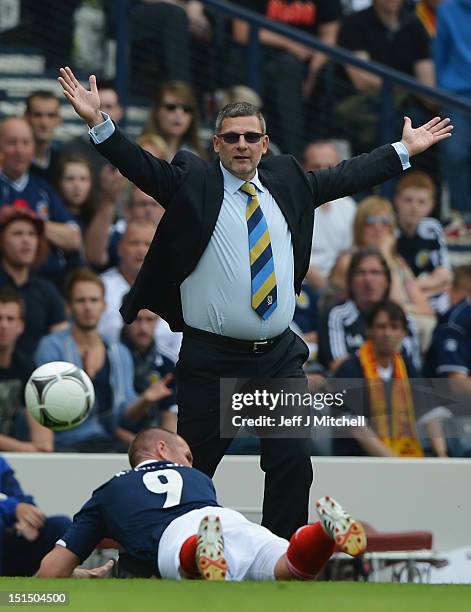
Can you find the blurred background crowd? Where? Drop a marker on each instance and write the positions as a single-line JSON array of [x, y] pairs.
[[74, 232]]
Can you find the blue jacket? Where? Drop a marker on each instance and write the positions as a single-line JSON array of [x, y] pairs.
[[61, 346], [11, 494], [452, 47]]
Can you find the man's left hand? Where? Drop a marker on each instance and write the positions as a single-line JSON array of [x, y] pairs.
[[420, 139]]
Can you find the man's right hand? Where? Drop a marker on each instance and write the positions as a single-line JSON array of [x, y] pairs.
[[86, 103], [30, 514]]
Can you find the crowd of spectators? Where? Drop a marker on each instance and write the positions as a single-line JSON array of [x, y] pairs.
[[74, 232]]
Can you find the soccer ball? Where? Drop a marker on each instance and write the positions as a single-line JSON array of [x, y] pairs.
[[59, 395]]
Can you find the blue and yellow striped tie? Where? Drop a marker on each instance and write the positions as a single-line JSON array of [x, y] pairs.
[[262, 268]]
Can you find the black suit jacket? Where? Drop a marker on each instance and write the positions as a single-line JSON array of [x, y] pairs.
[[191, 190]]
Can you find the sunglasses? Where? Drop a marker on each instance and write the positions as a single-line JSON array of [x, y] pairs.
[[233, 137], [172, 107], [373, 219]]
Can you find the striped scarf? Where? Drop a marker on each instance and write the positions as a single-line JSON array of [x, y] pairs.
[[398, 433], [428, 17]]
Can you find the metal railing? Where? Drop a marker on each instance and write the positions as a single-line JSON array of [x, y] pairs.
[[256, 21]]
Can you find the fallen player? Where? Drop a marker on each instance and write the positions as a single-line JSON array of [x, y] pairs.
[[164, 511]]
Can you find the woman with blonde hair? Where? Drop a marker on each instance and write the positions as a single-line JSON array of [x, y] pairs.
[[174, 116], [375, 225]]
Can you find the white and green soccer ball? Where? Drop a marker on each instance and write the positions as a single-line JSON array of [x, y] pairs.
[[59, 395]]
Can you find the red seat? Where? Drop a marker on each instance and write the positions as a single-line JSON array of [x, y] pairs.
[[384, 541]]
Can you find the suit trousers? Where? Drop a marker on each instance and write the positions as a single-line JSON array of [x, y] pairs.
[[286, 462]]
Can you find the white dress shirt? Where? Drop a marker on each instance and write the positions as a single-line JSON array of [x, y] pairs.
[[216, 296]]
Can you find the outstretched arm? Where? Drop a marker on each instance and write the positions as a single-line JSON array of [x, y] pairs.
[[155, 177], [62, 563], [370, 169]]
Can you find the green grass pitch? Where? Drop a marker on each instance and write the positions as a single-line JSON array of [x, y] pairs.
[[190, 596]]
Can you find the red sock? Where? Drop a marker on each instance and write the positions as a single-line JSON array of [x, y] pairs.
[[188, 558], [309, 550]]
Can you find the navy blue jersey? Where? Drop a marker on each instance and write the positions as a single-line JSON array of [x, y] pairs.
[[136, 506], [425, 251], [450, 350], [343, 331], [33, 192]]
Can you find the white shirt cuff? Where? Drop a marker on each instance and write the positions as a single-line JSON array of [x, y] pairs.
[[403, 153], [102, 131]]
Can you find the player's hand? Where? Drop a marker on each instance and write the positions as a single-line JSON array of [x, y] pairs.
[[103, 571], [158, 390], [422, 138], [85, 102], [30, 514]]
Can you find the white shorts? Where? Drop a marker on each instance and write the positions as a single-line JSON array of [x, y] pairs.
[[251, 550]]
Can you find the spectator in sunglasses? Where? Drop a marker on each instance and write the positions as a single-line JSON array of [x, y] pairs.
[[174, 116], [375, 226]]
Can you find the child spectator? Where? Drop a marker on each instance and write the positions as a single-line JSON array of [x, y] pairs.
[[420, 240], [75, 186]]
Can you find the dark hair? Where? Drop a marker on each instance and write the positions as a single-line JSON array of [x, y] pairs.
[[9, 295], [88, 208], [461, 276], [78, 275], [239, 109], [357, 259], [107, 84], [43, 94], [142, 440], [392, 309]]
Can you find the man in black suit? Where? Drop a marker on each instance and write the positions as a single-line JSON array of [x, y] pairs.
[[235, 303]]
